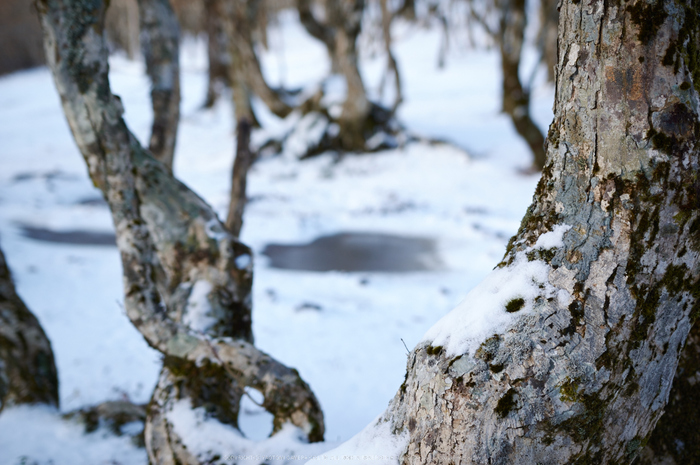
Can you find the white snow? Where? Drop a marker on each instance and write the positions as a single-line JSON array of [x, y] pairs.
[[198, 310], [483, 312], [375, 444], [206, 438], [350, 350]]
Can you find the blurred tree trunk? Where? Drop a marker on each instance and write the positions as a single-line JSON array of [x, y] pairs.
[[339, 33], [187, 281], [217, 51], [516, 99], [547, 35], [27, 367], [160, 36], [583, 370]]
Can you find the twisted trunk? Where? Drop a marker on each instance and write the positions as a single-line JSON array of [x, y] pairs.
[[575, 363], [187, 280], [160, 36], [27, 367]]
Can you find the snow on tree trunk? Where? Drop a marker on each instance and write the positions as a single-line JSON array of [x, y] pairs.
[[27, 367], [160, 35], [187, 280], [566, 353]]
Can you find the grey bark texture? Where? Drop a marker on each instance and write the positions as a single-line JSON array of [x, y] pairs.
[[27, 368], [187, 280], [586, 381], [160, 36], [241, 165]]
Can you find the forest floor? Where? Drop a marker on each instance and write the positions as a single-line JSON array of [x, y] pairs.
[[450, 207]]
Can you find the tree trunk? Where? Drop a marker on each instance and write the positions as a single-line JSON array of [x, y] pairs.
[[516, 99], [187, 280], [575, 364], [241, 165], [346, 18], [217, 51], [245, 72], [547, 35], [676, 438], [27, 367], [160, 35]]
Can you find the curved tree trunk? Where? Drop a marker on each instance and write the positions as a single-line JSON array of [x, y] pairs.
[[187, 280], [27, 367], [566, 353], [516, 99], [160, 35]]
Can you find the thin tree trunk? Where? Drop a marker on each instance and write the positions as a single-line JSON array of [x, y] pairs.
[[392, 66], [27, 367], [241, 165], [323, 32], [547, 35], [187, 280], [576, 364], [239, 16], [217, 51], [516, 99], [160, 35]]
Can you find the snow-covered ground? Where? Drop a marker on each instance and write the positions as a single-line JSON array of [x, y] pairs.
[[343, 331]]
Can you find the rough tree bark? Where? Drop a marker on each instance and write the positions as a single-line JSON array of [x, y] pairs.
[[187, 280], [27, 367], [160, 36], [582, 370], [516, 98]]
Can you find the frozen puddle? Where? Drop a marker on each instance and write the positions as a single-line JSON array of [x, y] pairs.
[[75, 237], [357, 252]]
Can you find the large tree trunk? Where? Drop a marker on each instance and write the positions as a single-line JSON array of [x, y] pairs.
[[160, 36], [27, 367], [575, 364], [516, 99], [187, 280], [676, 438]]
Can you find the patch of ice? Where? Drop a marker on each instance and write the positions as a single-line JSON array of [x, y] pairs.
[[198, 309]]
